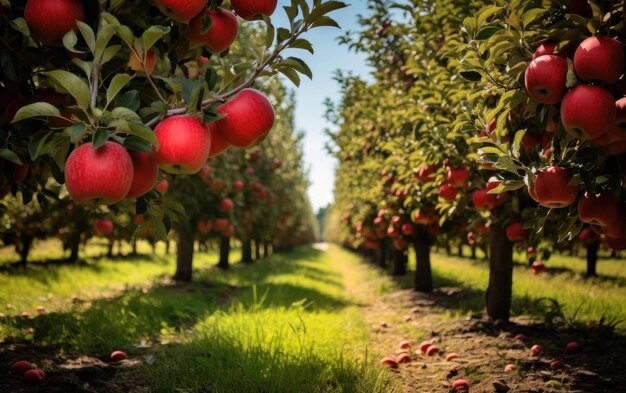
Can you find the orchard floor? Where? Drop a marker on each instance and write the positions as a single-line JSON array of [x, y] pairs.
[[305, 321]]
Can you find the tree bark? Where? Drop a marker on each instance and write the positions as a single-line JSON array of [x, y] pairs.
[[266, 249], [246, 251], [184, 254], [257, 249], [167, 247], [592, 259], [74, 247], [399, 262], [381, 255], [460, 251], [500, 274], [27, 242], [134, 249], [423, 280], [110, 250], [473, 252], [224, 253]]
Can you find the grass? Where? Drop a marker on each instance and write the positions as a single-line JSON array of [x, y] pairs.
[[285, 324], [578, 298]]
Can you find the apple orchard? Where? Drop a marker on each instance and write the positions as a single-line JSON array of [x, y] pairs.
[[126, 119]]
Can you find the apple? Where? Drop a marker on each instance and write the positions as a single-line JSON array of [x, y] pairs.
[[404, 358], [616, 243], [588, 237], [615, 148], [617, 131], [118, 356], [226, 205], [551, 188], [400, 244], [598, 209], [546, 48], [20, 367], [145, 172], [451, 356], [537, 268], [392, 232], [509, 368], [536, 350], [238, 185], [49, 20], [515, 232], [483, 200], [34, 376], [572, 346], [457, 177], [424, 345], [98, 176], [254, 9], [432, 350], [20, 172], [405, 344], [407, 229], [103, 227], [448, 192], [599, 59], [205, 226], [249, 117], [389, 362], [216, 185], [546, 79], [162, 186], [556, 364], [219, 144], [229, 231], [460, 384], [222, 30], [221, 224], [588, 111], [426, 173], [249, 171], [184, 144], [145, 64], [181, 10]]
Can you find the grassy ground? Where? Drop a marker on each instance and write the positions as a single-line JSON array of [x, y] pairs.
[[286, 324], [574, 297]]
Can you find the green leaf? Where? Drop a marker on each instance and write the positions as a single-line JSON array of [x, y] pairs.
[[109, 53], [138, 144], [152, 35], [211, 78], [298, 65], [36, 144], [325, 21], [291, 74], [99, 138], [88, 35], [78, 131], [102, 40], [471, 76], [9, 155], [323, 9], [301, 43], [38, 109], [144, 132], [73, 85], [126, 34], [20, 25], [57, 149], [70, 39], [487, 32], [118, 82], [126, 114], [129, 99], [85, 66]]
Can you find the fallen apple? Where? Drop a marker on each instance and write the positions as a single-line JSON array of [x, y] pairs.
[[118, 356], [509, 368], [389, 362], [20, 367], [536, 350], [403, 358], [451, 356], [432, 350]]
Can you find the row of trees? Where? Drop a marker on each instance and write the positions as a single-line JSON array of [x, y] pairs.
[[455, 143], [129, 117]]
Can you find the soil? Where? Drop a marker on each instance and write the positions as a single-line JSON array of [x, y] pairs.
[[485, 348]]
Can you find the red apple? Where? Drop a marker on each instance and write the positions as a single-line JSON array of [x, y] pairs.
[[616, 243], [100, 176], [546, 48], [405, 344], [404, 358], [424, 345], [145, 172], [184, 144], [162, 186], [229, 231], [219, 144], [451, 356], [515, 232], [460, 384], [426, 173], [432, 350], [588, 237], [509, 368], [249, 117], [20, 367], [572, 346], [551, 188], [221, 224], [537, 268], [34, 376], [181, 10], [598, 209], [483, 200], [49, 20], [118, 356], [599, 59], [221, 33], [448, 192], [205, 226], [399, 244], [407, 229], [389, 362], [20, 172], [536, 350], [546, 78], [103, 227], [556, 364], [254, 9], [457, 177], [238, 185], [145, 64], [226, 205], [587, 111], [617, 131]]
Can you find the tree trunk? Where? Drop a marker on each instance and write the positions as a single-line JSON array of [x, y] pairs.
[[460, 251], [184, 254], [74, 246], [266, 249], [224, 253], [448, 250], [27, 242], [110, 250], [134, 250], [246, 251], [399, 262], [592, 259], [500, 274], [381, 254], [423, 280], [473, 252], [257, 249]]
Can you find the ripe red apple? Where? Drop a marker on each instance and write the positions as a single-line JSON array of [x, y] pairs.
[[181, 10], [34, 376], [249, 117], [460, 384], [599, 59], [451, 356], [572, 346], [392, 232], [219, 144], [405, 344], [515, 232], [145, 172], [617, 131], [221, 33], [432, 350], [400, 244], [536, 350], [509, 368], [520, 337], [103, 227], [551, 188], [556, 364], [448, 192], [221, 224], [616, 243], [389, 362], [426, 173], [598, 209], [537, 268], [118, 356], [229, 231], [49, 20], [162, 186], [587, 111], [546, 48], [226, 205], [145, 64], [407, 229], [404, 358], [424, 345], [102, 176], [20, 172], [483, 200], [546, 79], [457, 177], [184, 144], [254, 9], [20, 367], [249, 171]]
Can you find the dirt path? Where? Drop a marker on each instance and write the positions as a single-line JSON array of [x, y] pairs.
[[484, 348]]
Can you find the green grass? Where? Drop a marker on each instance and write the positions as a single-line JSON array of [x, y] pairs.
[[580, 299]]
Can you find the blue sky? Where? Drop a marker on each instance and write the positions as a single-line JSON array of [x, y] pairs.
[[328, 57]]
